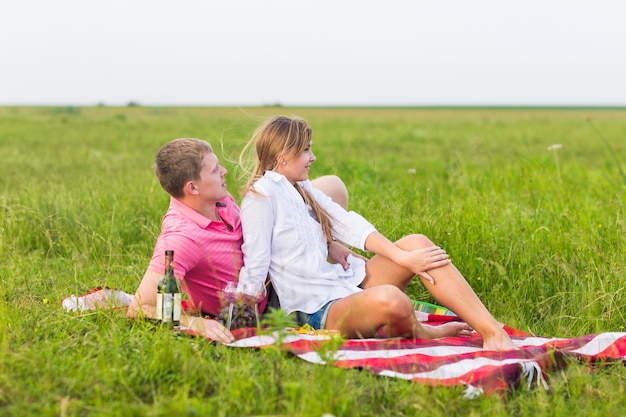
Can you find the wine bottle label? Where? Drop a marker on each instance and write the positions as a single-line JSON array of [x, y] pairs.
[[177, 307], [168, 307], [159, 306]]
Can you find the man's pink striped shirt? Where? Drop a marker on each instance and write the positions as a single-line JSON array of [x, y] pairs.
[[207, 253]]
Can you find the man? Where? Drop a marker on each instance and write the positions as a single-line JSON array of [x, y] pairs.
[[203, 228]]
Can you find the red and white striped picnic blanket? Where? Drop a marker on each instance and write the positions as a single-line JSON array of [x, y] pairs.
[[452, 361]]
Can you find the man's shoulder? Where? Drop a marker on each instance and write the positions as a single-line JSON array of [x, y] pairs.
[[179, 227], [176, 219]]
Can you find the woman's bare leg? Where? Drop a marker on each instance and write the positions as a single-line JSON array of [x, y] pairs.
[[450, 290], [387, 308]]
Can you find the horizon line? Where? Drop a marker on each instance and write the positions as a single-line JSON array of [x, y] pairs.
[[131, 104]]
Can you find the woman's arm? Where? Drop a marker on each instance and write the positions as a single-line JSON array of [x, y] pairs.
[[418, 261], [348, 226], [257, 222]]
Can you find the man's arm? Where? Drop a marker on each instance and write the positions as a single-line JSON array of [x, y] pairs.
[[144, 305], [144, 302]]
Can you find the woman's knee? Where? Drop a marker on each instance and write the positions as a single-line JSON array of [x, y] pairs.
[[392, 301], [332, 186], [415, 241]]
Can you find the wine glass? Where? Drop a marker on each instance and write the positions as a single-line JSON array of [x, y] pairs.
[[256, 293], [231, 294]]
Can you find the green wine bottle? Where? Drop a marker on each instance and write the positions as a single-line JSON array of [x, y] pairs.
[[168, 294]]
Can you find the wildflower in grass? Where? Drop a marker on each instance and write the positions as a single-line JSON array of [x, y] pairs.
[[411, 171], [45, 301], [554, 148]]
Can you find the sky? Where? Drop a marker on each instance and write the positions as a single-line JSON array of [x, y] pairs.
[[313, 52]]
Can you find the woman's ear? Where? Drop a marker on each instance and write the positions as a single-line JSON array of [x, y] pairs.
[[280, 160]]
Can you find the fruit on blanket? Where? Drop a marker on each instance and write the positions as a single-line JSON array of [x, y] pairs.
[[307, 329]]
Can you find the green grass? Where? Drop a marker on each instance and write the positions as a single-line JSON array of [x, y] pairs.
[[539, 234]]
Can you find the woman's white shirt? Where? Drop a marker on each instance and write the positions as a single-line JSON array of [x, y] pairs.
[[282, 237]]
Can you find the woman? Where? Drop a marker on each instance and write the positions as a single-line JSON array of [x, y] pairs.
[[288, 226]]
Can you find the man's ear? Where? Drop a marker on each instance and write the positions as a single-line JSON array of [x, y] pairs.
[[190, 188]]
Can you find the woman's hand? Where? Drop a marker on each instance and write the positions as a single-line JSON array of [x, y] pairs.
[[339, 253], [420, 261], [212, 329]]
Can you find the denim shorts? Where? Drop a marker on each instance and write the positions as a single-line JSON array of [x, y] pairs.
[[316, 320]]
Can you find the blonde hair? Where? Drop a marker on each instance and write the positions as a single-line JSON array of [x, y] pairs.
[[278, 138]]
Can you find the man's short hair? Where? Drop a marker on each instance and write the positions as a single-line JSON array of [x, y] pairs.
[[180, 161]]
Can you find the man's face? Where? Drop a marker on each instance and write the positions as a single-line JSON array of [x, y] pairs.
[[212, 182]]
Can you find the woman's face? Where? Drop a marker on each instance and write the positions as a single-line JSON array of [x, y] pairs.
[[297, 168]]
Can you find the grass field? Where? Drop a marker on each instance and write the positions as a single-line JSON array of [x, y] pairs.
[[538, 230]]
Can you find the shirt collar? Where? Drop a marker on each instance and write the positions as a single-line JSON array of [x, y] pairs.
[[190, 213], [276, 177]]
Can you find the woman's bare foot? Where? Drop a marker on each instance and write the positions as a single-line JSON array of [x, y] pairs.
[[500, 342], [454, 329]]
